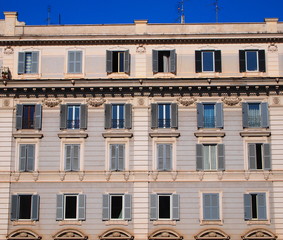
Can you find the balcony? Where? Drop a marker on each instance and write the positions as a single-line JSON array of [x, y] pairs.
[[5, 73]]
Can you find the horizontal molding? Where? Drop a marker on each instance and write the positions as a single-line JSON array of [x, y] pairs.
[[164, 134], [28, 135], [117, 134], [209, 134], [255, 133], [72, 135]]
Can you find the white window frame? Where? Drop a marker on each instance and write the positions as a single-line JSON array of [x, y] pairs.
[[246, 60], [74, 113], [119, 105], [110, 206], [30, 75], [77, 205], [216, 156], [171, 207], [213, 62]]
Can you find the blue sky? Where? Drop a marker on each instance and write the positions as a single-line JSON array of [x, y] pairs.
[[34, 12]]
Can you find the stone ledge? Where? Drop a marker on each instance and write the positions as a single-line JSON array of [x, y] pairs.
[[255, 133], [117, 135], [28, 135], [164, 222], [258, 222], [116, 222], [164, 134], [209, 134], [72, 135], [70, 222], [211, 222]]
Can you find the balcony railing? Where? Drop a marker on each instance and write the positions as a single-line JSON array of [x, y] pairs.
[[73, 124], [209, 121], [254, 121], [118, 123], [164, 123], [27, 124]]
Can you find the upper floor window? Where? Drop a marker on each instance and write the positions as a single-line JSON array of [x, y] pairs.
[[208, 61], [118, 116], [73, 116], [164, 115], [117, 61], [210, 115], [164, 61], [255, 206], [117, 157], [72, 157], [252, 61], [164, 157], [75, 61], [259, 156], [211, 208], [255, 115], [26, 157], [25, 207], [28, 116], [28, 62]]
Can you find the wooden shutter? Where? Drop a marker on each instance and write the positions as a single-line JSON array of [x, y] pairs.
[[113, 157], [14, 208], [174, 115], [175, 207], [247, 206], [160, 156], [105, 207], [153, 207], [63, 116], [121, 157], [19, 116], [252, 155], [242, 60], [34, 62], [82, 206], [127, 62], [245, 110], [261, 61], [217, 60], [128, 207], [261, 206], [219, 115], [75, 159], [155, 61], [21, 63], [128, 116], [59, 207], [267, 156], [199, 157], [198, 61], [109, 59], [264, 115], [107, 116], [168, 157], [221, 157], [30, 158], [200, 115], [23, 157], [68, 157], [83, 116], [78, 61], [35, 207], [206, 206], [154, 115], [38, 117], [214, 206], [71, 62], [173, 61]]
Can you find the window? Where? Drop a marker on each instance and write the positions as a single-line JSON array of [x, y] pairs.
[[252, 60], [73, 116], [118, 116], [208, 61], [27, 157], [210, 115], [210, 157], [75, 61], [255, 115], [28, 63], [164, 207], [70, 207], [72, 157], [259, 156], [117, 157], [117, 61], [255, 206], [164, 61], [116, 207], [28, 116], [210, 206], [164, 115], [164, 157], [25, 207]]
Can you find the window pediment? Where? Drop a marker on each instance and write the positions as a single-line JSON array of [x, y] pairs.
[[165, 234], [116, 234], [259, 234], [23, 234], [70, 235], [212, 234]]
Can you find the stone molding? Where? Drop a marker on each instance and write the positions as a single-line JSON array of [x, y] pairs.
[[51, 102]]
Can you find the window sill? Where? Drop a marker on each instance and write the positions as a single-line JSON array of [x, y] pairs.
[[29, 75], [117, 134], [24, 222], [74, 75], [118, 75], [70, 222], [164, 75], [258, 222], [211, 222], [255, 133], [26, 134], [71, 134], [164, 222], [164, 134], [116, 222], [210, 133]]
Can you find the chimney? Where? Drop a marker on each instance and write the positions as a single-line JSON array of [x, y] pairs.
[[271, 25], [141, 26], [11, 19]]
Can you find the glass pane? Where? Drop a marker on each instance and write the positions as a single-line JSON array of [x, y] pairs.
[[254, 116], [73, 118], [25, 206], [254, 206], [116, 207], [164, 207], [251, 61], [209, 115], [121, 62], [213, 159], [208, 61], [164, 115], [118, 116], [28, 117], [70, 207], [206, 157], [28, 62]]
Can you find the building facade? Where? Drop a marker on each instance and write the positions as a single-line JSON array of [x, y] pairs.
[[144, 131]]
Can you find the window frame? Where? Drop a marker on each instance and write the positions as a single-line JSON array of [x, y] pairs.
[[83, 116], [76, 109], [248, 60], [218, 115], [260, 62], [111, 206], [203, 60], [77, 206], [263, 114], [108, 115], [111, 62], [220, 207], [172, 59], [266, 201], [75, 62], [117, 167], [72, 168], [22, 62], [37, 118], [266, 161], [173, 115]]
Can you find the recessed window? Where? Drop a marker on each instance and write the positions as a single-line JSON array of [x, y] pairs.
[[73, 119], [164, 157], [75, 61], [164, 61], [210, 157], [72, 157], [259, 156], [211, 206], [28, 62], [117, 157], [118, 61], [118, 116], [116, 207], [255, 206], [26, 157], [210, 115], [71, 206], [164, 115], [252, 60], [255, 115], [164, 207], [208, 61], [28, 116], [73, 116]]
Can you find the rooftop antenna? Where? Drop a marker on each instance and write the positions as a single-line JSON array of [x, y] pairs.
[[48, 14], [217, 8], [181, 11]]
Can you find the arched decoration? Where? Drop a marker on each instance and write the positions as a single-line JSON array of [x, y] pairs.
[[212, 234], [23, 234], [165, 234], [69, 234], [260, 234], [116, 234]]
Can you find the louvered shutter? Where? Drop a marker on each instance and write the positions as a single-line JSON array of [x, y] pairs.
[[82, 206], [30, 150], [68, 157], [121, 157], [219, 115], [261, 207], [247, 206], [153, 206], [261, 61], [127, 62], [206, 206], [199, 157], [174, 115], [267, 156], [109, 59], [214, 198], [75, 159], [245, 110], [264, 115], [198, 61], [200, 115], [242, 60], [105, 207], [154, 115], [23, 157], [175, 207], [168, 157], [83, 116], [128, 114], [221, 157], [173, 61], [78, 61], [63, 116], [14, 208], [128, 207], [35, 207], [252, 155], [59, 207], [155, 61], [218, 64], [107, 116], [21, 63], [38, 117], [113, 157], [160, 156], [19, 116], [71, 62], [34, 62]]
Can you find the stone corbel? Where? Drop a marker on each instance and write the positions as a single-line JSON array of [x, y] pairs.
[[51, 102], [81, 175], [154, 175], [186, 101], [127, 175], [247, 174], [108, 175], [201, 175], [62, 175], [266, 174], [16, 176], [35, 175], [174, 175], [220, 175], [272, 47], [95, 102], [231, 101]]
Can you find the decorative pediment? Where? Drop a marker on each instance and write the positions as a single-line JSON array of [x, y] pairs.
[[212, 234], [70, 234], [259, 234], [116, 234], [165, 234], [23, 234]]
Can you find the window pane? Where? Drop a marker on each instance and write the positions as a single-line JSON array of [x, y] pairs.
[[254, 116], [163, 61], [118, 115], [121, 62], [164, 207], [254, 206], [210, 157], [209, 115], [28, 60], [25, 207], [70, 207], [208, 61], [73, 120], [164, 115], [251, 61], [116, 207], [28, 116], [259, 156]]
